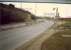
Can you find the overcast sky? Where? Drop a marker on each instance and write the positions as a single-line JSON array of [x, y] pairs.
[[56, 1], [44, 9]]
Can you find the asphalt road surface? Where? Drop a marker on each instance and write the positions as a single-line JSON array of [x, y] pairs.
[[13, 38]]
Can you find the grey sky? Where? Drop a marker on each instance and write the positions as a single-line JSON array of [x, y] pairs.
[[58, 1]]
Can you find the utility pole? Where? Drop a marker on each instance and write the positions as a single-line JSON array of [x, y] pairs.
[[35, 8], [56, 15]]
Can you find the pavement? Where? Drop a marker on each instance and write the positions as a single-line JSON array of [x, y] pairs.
[[14, 38], [36, 44]]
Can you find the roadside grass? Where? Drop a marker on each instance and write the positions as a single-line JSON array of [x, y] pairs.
[[61, 40], [65, 25]]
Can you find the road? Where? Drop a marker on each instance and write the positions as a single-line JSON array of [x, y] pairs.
[[13, 38]]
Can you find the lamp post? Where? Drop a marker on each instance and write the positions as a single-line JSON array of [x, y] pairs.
[[56, 15]]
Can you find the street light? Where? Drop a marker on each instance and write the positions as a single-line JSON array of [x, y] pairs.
[[56, 15]]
